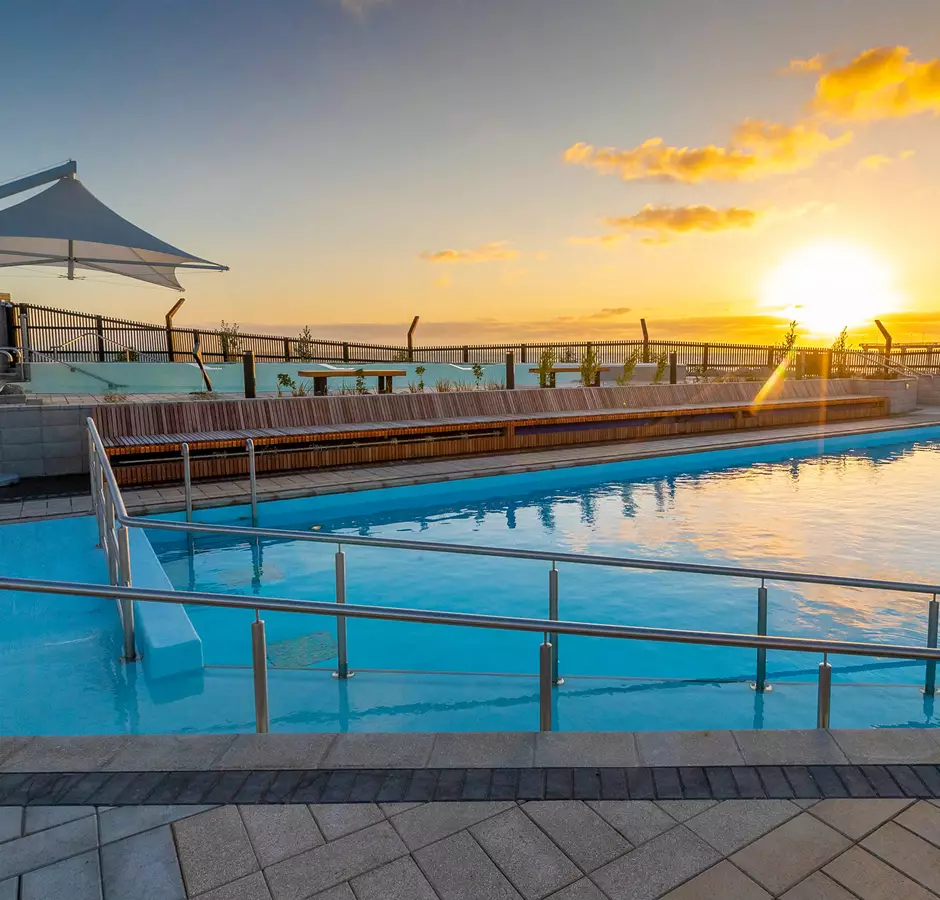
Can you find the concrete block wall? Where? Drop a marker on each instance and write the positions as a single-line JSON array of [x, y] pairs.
[[928, 390], [901, 393], [43, 440]]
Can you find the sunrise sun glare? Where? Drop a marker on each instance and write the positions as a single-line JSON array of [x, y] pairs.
[[828, 286]]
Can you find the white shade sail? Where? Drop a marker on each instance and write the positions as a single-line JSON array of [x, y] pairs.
[[66, 225]]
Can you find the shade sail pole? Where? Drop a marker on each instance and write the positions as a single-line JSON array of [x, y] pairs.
[[71, 260], [66, 170]]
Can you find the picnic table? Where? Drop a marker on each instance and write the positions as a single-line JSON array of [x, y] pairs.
[[572, 369], [320, 377]]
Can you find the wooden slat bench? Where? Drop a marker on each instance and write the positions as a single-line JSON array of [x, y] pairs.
[[144, 440]]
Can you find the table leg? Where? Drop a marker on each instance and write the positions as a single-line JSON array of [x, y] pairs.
[[319, 385]]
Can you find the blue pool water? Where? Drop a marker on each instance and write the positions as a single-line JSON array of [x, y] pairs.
[[862, 506]]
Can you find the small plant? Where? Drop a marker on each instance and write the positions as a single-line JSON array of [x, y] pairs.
[[786, 346], [361, 382], [546, 364], [413, 388], [589, 367], [285, 381], [568, 355], [400, 356], [419, 371], [231, 340], [840, 349], [131, 355], [495, 385], [304, 345], [629, 368], [478, 373], [464, 386], [444, 385], [661, 364]]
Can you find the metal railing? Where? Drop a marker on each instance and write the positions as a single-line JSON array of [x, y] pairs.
[[114, 522]]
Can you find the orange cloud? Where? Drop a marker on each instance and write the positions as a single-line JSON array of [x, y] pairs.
[[494, 251], [757, 149], [666, 222], [880, 83], [803, 66], [609, 312], [877, 161]]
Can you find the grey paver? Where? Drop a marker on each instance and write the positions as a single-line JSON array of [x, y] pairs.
[[46, 847], [638, 821], [721, 882], [11, 745], [573, 748], [789, 853], [142, 867], [458, 869], [869, 878], [534, 865], [170, 752], [398, 880], [796, 747], [278, 831], [11, 822], [122, 821], [585, 889], [41, 817], [818, 887], [251, 887], [580, 832], [213, 849], [433, 821], [732, 824], [483, 749], [10, 889], [906, 851], [78, 878], [680, 810], [856, 818], [656, 867], [78, 753], [340, 892], [275, 751], [338, 819], [923, 819], [887, 745], [394, 809], [688, 748], [323, 867], [378, 751]]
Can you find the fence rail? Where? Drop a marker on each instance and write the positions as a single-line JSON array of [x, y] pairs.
[[85, 337]]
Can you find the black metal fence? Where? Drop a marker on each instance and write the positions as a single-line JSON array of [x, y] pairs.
[[76, 337]]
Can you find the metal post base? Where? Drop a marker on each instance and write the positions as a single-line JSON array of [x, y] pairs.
[[344, 677], [767, 687]]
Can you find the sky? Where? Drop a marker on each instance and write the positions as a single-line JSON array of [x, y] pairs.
[[502, 168]]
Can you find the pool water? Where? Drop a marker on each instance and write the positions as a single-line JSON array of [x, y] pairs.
[[856, 506]]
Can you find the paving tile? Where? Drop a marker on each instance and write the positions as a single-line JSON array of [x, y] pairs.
[[393, 809], [42, 817], [906, 851], [431, 822], [398, 880], [338, 819], [119, 822], [213, 849], [340, 892], [688, 748], [323, 867], [10, 889], [504, 749], [458, 869], [142, 867], [818, 887], [588, 748], [723, 882], [680, 810], [251, 887], [78, 753], [170, 752], [277, 831], [275, 751], [871, 879], [534, 865], [46, 847], [579, 831], [856, 818], [378, 751], [732, 824], [924, 820], [11, 822], [887, 745], [585, 889], [656, 867], [638, 821], [11, 745], [793, 747], [78, 878], [789, 853]]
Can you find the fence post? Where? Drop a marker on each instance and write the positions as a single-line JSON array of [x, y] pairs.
[[545, 685], [99, 331], [673, 368], [827, 365], [259, 668], [646, 341], [286, 349], [770, 357], [345, 351], [522, 353], [251, 382], [933, 619], [704, 358], [824, 697], [127, 605], [342, 663], [510, 371]]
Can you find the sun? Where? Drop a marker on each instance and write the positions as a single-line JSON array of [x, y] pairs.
[[830, 285]]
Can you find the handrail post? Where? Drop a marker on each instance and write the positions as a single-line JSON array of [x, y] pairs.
[[545, 685], [553, 615], [253, 481], [127, 605], [187, 483], [110, 539], [259, 669], [342, 663], [824, 699], [933, 620], [760, 683]]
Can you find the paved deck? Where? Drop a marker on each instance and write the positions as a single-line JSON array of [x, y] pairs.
[[831, 816]]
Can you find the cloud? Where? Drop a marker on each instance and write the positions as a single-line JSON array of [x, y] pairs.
[[881, 83], [757, 149], [609, 312], [666, 222], [359, 9], [815, 63], [877, 161], [494, 251]]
